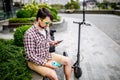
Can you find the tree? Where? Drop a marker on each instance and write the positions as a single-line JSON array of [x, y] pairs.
[[72, 5], [40, 1]]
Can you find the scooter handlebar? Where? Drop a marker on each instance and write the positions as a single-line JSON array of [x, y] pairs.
[[80, 23]]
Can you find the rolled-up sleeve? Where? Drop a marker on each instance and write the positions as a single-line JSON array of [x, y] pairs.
[[31, 55]]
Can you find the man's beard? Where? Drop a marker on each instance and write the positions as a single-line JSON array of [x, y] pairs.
[[41, 26]]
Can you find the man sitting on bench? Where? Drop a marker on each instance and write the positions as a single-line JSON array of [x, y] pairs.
[[37, 43]]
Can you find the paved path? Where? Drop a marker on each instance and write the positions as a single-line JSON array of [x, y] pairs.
[[100, 55], [110, 24]]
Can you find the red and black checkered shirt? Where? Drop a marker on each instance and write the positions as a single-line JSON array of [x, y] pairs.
[[37, 46]]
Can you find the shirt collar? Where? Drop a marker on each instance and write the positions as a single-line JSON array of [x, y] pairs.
[[36, 30]]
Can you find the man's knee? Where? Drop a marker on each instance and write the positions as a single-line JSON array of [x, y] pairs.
[[67, 61], [30, 65], [52, 75]]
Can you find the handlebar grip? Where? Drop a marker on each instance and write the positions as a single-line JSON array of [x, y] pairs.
[[76, 22]]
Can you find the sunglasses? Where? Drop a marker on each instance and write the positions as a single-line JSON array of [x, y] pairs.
[[46, 22]]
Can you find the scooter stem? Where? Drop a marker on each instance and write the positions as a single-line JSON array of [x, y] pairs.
[[79, 35]]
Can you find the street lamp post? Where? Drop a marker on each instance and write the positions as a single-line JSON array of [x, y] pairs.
[[84, 4]]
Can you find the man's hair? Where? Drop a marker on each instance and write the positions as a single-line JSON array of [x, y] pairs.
[[43, 13]]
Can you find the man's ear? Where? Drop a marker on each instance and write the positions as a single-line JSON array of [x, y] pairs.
[[39, 19]]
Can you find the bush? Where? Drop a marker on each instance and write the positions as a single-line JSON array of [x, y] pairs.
[[54, 10], [23, 14], [32, 9], [19, 35], [113, 5], [44, 6], [12, 62], [72, 5], [10, 42], [54, 13], [58, 6], [22, 20]]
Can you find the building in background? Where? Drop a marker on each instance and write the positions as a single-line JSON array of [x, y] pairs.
[[90, 4], [63, 2], [111, 1]]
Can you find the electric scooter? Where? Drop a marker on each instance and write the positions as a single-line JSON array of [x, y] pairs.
[[76, 65]]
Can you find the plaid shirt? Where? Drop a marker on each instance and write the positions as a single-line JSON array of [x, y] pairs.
[[37, 46]]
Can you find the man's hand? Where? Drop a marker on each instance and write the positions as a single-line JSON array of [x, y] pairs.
[[54, 43], [49, 64]]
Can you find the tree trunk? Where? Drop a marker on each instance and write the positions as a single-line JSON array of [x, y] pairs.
[[40, 1]]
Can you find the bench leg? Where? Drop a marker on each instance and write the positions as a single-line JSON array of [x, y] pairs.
[[5, 29]]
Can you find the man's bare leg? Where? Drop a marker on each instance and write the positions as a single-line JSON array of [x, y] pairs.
[[44, 71], [67, 68]]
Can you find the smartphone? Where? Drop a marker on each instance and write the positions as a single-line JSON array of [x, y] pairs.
[[59, 41], [56, 64]]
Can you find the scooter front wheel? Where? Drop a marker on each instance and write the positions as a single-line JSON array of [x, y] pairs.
[[77, 72]]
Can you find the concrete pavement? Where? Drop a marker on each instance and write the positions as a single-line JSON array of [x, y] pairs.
[[109, 24], [100, 55]]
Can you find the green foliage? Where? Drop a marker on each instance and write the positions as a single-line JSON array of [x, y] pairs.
[[19, 35], [103, 5], [57, 6], [115, 5], [68, 6], [72, 5], [98, 5], [106, 5], [44, 6], [58, 19], [10, 42], [54, 10], [31, 8], [34, 2], [22, 20], [12, 62], [23, 14], [54, 13]]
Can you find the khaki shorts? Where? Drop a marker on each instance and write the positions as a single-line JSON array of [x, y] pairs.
[[45, 70]]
